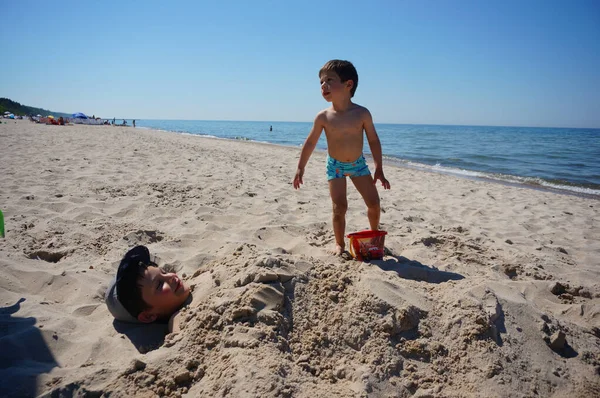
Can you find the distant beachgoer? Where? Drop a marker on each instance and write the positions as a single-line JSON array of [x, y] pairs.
[[344, 123], [114, 120], [271, 128], [133, 123]]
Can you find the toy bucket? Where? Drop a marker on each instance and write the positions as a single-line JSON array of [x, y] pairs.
[[367, 245]]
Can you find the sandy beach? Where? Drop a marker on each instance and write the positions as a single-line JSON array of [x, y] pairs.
[[486, 290]]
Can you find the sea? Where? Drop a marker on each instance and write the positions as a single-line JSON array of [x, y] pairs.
[[562, 160]]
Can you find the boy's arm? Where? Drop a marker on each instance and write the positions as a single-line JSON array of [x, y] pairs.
[[375, 146], [309, 147]]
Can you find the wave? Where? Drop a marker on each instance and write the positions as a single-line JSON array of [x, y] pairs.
[[533, 182]]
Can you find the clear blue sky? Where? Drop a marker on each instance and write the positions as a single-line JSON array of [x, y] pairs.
[[524, 63]]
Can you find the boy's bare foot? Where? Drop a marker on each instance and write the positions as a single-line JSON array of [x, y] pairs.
[[338, 251]]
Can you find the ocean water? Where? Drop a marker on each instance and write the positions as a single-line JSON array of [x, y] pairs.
[[558, 159]]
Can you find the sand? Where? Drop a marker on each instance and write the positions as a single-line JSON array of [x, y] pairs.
[[486, 290]]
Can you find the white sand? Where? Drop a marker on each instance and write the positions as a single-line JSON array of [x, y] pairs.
[[462, 308]]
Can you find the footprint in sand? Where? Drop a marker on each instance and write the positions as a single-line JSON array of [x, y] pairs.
[[143, 237], [268, 297], [85, 310], [51, 257]]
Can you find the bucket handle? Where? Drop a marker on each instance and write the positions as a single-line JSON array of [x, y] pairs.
[[351, 244]]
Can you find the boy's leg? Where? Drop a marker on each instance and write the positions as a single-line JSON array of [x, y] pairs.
[[337, 190], [364, 185]]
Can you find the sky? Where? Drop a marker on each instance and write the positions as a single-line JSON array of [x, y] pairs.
[[499, 63]]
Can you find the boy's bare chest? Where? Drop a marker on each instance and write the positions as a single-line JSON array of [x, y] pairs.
[[344, 126]]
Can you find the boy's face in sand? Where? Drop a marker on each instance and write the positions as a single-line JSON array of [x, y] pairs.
[[165, 293], [332, 88]]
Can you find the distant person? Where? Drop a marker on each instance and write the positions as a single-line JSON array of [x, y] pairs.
[[141, 292], [114, 120], [271, 128], [344, 123], [133, 123]]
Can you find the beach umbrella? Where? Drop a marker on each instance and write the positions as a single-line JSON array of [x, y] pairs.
[[79, 115], [7, 113], [50, 117], [39, 115]]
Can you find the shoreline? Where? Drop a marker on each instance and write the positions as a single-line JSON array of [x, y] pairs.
[[573, 190], [541, 188]]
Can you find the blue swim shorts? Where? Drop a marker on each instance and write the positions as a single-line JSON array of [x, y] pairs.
[[337, 169]]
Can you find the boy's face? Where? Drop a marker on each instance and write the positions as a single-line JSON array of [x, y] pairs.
[[165, 293], [332, 87]]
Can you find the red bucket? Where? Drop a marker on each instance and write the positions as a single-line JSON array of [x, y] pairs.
[[367, 245]]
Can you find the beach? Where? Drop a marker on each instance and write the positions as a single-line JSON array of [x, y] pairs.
[[485, 290]]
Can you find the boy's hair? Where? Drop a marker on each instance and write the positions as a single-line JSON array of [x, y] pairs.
[[344, 69], [131, 270]]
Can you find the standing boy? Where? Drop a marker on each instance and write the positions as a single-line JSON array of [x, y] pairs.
[[344, 123]]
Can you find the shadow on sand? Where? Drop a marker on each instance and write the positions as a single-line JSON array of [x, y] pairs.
[[145, 337], [414, 270], [24, 354]]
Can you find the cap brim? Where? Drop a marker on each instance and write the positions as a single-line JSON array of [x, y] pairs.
[[114, 305]]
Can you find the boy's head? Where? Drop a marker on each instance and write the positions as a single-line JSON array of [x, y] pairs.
[[142, 292], [345, 71]]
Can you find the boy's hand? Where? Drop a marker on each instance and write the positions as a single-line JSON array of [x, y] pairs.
[[379, 176], [298, 178]]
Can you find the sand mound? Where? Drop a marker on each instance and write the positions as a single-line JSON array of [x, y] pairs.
[[274, 324]]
